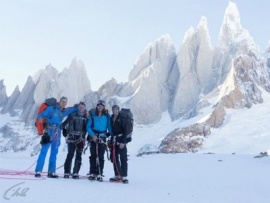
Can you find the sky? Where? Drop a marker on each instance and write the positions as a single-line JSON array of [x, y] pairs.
[[108, 36]]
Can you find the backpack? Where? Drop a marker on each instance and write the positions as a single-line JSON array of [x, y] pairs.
[[48, 102], [126, 117]]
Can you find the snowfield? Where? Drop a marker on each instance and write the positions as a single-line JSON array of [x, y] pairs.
[[160, 178]]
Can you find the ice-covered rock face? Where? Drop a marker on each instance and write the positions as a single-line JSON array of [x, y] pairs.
[[231, 27], [3, 93], [241, 88], [46, 84], [244, 79], [267, 56], [194, 61], [72, 82], [11, 101], [149, 79], [162, 50], [234, 41]]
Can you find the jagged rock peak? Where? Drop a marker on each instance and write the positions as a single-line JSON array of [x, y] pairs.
[[201, 28], [231, 27], [268, 49], [232, 32], [109, 83], [17, 89], [2, 84], [3, 93], [159, 49], [11, 100], [188, 34], [76, 63], [108, 89], [232, 13], [194, 61], [26, 94], [203, 22], [204, 32], [49, 68]]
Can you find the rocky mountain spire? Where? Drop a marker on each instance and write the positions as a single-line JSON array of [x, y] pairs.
[[231, 27], [9, 106], [234, 41], [194, 62], [149, 78], [3, 93], [72, 82]]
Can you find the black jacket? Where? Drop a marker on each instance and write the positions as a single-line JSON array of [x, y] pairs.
[[118, 130], [74, 124]]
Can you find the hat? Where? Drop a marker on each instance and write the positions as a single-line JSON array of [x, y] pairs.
[[82, 103], [101, 102], [115, 106], [63, 98]]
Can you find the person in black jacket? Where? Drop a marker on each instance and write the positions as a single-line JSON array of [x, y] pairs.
[[74, 129], [118, 147]]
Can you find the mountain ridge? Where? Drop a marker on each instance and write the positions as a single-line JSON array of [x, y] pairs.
[[163, 80]]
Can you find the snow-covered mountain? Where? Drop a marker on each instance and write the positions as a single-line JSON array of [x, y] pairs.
[[193, 88], [17, 133], [234, 40], [194, 62]]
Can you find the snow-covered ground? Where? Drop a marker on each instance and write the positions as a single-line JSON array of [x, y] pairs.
[[225, 170], [160, 178]]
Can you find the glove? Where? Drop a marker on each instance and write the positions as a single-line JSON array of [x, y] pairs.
[[95, 138], [45, 139], [121, 145]]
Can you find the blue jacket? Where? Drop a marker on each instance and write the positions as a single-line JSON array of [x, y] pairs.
[[101, 124], [54, 115]]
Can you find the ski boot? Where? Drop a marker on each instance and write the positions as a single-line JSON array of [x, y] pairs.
[[52, 175], [66, 175], [92, 177], [75, 176], [115, 179], [38, 174], [124, 180], [99, 178]]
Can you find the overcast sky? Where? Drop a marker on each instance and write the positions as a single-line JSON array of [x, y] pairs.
[[107, 35]]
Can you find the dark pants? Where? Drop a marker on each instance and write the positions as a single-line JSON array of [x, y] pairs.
[[119, 168], [97, 149], [72, 147]]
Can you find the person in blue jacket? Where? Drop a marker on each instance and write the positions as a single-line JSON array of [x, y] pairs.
[[54, 116], [98, 125]]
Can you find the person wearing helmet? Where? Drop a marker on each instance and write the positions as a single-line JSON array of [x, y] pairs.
[[118, 147], [98, 125]]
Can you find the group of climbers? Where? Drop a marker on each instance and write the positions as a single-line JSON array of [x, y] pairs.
[[96, 126]]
